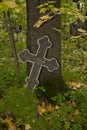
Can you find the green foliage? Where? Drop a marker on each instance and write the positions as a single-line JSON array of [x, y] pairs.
[[2, 108], [68, 114], [8, 76], [68, 12], [70, 109], [73, 113], [49, 6], [59, 99], [20, 102], [73, 62]]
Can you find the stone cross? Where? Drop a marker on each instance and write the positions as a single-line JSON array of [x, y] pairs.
[[38, 61]]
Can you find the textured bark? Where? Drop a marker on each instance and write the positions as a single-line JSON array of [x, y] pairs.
[[46, 78]]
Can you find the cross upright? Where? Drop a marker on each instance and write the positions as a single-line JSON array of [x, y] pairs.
[[38, 60]]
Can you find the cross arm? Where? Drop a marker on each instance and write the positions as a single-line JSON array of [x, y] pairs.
[[51, 64]]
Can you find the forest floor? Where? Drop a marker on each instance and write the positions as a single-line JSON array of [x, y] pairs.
[[74, 63], [69, 112]]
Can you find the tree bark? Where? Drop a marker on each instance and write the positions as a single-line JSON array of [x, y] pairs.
[[51, 80]]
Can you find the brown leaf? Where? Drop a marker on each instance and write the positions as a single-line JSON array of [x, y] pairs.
[[75, 85], [12, 127]]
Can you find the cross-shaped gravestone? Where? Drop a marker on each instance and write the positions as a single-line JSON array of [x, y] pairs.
[[38, 60]]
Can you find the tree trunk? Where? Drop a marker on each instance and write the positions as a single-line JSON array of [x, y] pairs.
[[51, 80], [9, 29]]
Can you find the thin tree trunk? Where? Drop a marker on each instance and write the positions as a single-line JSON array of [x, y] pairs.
[[9, 28]]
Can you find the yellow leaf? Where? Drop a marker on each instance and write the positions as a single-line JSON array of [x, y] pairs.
[[11, 4], [43, 10], [38, 23], [12, 127], [81, 30], [75, 85], [76, 112], [62, 10], [56, 107], [51, 2], [50, 108], [42, 20], [46, 17], [80, 16], [42, 5], [9, 120], [27, 127], [43, 104], [41, 110]]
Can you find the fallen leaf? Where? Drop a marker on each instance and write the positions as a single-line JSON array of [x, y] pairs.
[[12, 127], [8, 120], [50, 108], [76, 112], [41, 110], [75, 85], [27, 127]]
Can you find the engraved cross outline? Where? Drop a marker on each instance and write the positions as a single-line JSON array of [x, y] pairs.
[[38, 61]]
